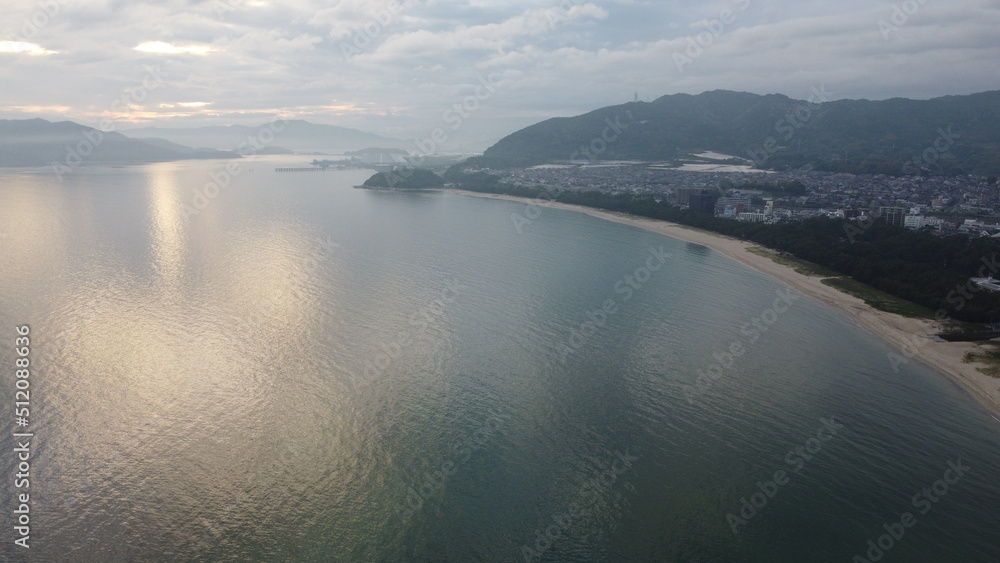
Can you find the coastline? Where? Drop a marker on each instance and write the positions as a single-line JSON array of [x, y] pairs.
[[913, 339]]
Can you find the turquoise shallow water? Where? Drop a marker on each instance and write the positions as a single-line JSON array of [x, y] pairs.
[[295, 370]]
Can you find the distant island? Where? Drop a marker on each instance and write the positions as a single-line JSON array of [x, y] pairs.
[[376, 151], [405, 179], [271, 151], [65, 144]]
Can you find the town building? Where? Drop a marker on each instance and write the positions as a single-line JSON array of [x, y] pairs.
[[703, 202], [892, 215], [732, 206], [752, 217]]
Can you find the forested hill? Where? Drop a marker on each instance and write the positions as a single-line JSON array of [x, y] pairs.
[[948, 135], [405, 179]]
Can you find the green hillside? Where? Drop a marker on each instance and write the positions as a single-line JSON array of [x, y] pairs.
[[949, 135]]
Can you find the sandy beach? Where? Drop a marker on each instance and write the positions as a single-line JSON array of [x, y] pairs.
[[912, 338]]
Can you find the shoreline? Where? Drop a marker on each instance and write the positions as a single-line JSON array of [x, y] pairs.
[[913, 339]]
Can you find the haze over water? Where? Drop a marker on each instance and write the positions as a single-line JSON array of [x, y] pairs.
[[303, 371]]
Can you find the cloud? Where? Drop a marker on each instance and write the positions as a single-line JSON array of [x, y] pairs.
[[37, 109], [488, 37], [161, 48], [186, 105], [347, 17], [23, 47]]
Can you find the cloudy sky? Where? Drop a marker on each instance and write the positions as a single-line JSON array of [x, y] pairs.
[[395, 68]]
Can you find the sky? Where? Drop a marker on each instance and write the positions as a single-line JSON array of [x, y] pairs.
[[482, 68]]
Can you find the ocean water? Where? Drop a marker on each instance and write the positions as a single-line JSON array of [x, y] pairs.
[[290, 369]]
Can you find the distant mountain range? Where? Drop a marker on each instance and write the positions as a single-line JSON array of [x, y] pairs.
[[296, 135], [948, 135], [37, 142]]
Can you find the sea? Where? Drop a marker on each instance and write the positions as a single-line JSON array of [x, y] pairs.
[[230, 363]]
